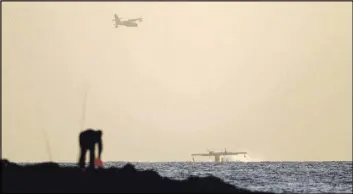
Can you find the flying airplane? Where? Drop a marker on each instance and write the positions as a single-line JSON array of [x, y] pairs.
[[127, 23], [218, 155]]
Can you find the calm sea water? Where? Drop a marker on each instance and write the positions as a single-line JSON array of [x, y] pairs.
[[278, 177]]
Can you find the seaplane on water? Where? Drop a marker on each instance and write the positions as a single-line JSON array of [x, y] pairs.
[[219, 155], [127, 23]]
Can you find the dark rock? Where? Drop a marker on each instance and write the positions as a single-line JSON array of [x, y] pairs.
[[50, 177]]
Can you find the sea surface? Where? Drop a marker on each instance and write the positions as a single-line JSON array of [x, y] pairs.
[[278, 177]]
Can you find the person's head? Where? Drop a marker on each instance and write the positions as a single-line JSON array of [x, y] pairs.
[[100, 133]]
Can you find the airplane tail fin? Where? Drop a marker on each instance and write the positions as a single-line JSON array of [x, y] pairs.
[[117, 20]]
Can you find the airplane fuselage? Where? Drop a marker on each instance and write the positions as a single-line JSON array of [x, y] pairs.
[[129, 24]]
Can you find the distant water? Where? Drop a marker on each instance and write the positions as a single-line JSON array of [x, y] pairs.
[[278, 177]]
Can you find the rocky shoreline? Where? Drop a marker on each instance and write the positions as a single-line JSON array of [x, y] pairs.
[[50, 177]]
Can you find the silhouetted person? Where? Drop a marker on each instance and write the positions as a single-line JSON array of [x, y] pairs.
[[88, 140]]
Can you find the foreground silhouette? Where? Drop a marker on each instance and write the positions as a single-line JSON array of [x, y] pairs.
[[50, 177], [88, 140]]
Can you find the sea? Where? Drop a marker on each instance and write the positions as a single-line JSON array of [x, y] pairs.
[[276, 177]]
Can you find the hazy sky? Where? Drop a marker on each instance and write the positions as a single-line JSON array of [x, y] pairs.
[[273, 79]]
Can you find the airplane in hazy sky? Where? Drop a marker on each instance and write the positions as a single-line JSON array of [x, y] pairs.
[[218, 155], [127, 23]]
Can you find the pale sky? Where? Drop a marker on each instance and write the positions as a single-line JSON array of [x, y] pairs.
[[273, 79]]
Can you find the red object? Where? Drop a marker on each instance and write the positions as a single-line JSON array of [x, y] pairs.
[[98, 163]]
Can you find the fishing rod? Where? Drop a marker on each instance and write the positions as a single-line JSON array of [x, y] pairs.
[[84, 106], [46, 137]]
